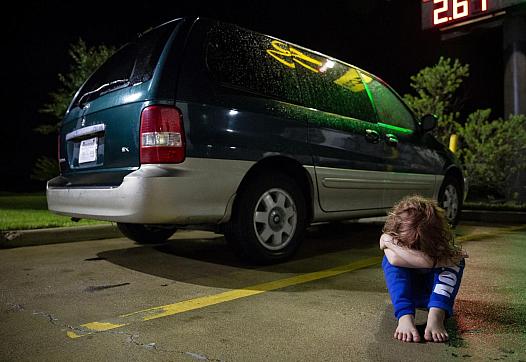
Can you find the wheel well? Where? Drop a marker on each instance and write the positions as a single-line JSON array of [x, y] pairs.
[[284, 165], [457, 174]]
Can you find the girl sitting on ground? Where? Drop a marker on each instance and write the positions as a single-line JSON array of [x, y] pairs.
[[422, 267]]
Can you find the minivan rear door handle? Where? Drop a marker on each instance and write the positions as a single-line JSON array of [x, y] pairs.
[[86, 131], [372, 136]]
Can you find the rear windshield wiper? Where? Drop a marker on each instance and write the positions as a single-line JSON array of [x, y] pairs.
[[119, 83]]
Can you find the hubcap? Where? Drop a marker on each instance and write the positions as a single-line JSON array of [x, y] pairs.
[[275, 219], [450, 203]]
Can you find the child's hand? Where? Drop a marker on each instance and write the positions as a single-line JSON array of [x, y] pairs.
[[385, 238]]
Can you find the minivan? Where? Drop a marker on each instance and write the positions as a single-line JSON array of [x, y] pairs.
[[199, 123]]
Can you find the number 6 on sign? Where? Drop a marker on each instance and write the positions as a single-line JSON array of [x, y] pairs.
[[462, 4]]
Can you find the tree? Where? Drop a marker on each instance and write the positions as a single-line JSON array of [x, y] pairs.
[[85, 60], [437, 93]]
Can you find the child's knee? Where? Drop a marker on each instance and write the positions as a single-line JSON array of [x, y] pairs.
[[445, 288]]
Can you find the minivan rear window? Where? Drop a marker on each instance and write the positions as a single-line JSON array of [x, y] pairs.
[[239, 58], [131, 64], [333, 86], [260, 64]]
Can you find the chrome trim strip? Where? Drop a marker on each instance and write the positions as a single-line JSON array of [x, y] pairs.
[[350, 183], [96, 128]]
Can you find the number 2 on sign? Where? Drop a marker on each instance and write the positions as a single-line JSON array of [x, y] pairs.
[[437, 19]]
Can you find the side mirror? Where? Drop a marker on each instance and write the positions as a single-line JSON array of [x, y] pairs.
[[428, 123]]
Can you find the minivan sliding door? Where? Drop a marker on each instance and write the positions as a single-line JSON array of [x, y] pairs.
[[347, 155]]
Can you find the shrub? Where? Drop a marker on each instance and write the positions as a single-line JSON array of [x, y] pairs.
[[492, 152]]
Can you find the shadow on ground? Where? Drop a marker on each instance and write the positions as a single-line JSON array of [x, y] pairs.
[[211, 262]]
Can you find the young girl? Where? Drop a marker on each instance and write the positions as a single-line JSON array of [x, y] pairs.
[[422, 267]]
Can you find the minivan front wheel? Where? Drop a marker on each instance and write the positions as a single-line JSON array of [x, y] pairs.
[[450, 199], [146, 234], [269, 220]]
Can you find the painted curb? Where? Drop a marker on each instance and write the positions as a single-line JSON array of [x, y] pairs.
[[14, 239]]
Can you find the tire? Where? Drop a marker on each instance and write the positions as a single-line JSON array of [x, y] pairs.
[[450, 199], [268, 220], [146, 234]]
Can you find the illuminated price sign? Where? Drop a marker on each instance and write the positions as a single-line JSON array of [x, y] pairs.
[[440, 13]]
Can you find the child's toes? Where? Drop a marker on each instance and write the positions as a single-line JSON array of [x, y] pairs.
[[428, 336], [416, 336], [438, 337]]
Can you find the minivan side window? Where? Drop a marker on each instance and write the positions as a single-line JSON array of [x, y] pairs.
[[332, 86], [391, 110], [133, 63], [239, 58]]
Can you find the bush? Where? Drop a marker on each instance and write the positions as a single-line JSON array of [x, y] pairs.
[[492, 152]]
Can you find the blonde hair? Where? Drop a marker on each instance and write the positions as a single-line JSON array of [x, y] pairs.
[[419, 224]]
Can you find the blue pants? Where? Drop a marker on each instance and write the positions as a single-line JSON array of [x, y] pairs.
[[422, 288]]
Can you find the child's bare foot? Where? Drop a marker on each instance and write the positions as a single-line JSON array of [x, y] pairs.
[[406, 330], [435, 330]]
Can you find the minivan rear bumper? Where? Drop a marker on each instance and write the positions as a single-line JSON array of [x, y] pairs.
[[196, 191]]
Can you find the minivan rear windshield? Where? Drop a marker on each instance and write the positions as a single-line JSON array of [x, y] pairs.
[[131, 64]]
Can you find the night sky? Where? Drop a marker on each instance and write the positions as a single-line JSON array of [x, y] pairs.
[[381, 36]]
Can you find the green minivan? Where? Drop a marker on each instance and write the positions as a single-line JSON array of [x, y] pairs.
[[203, 124]]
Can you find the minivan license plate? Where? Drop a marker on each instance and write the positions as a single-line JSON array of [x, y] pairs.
[[88, 150]]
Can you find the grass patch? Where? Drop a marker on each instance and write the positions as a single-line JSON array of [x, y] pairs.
[[29, 211]]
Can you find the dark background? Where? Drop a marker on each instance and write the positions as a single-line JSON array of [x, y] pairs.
[[381, 36]]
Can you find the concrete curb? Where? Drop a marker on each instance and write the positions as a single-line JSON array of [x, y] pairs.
[[507, 217], [13, 239]]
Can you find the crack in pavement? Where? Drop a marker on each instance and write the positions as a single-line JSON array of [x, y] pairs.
[[131, 337], [14, 307], [50, 318]]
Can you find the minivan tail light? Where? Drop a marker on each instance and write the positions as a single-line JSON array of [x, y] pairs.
[[162, 135]]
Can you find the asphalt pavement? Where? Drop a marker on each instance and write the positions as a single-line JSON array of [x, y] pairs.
[[192, 299]]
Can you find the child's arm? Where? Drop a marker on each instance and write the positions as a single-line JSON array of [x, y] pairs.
[[407, 258], [403, 257]]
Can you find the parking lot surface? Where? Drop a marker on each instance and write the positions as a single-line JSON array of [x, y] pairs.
[[192, 299]]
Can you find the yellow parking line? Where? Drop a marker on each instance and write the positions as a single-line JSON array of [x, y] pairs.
[[197, 303]]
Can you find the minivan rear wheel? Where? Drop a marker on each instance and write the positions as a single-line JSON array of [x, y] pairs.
[[147, 234], [269, 220], [450, 199]]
